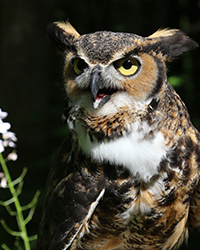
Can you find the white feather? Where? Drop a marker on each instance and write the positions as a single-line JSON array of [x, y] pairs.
[[119, 99], [90, 212], [141, 155]]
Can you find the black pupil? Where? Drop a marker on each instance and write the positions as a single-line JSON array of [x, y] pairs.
[[127, 64], [81, 65]]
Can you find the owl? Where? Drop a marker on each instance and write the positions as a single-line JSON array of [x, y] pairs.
[[127, 175]]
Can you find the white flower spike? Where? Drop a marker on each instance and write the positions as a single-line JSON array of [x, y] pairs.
[[1, 146], [12, 156], [7, 138], [4, 182], [3, 114], [4, 127]]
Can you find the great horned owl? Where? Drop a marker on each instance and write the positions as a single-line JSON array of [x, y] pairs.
[[127, 175]]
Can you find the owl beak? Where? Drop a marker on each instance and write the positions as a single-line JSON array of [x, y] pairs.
[[96, 85]]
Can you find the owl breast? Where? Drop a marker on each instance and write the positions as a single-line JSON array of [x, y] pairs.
[[135, 151], [131, 143]]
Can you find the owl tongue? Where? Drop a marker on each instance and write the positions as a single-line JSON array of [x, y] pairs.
[[100, 100], [102, 97]]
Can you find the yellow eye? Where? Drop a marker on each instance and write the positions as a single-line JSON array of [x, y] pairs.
[[79, 65], [127, 67]]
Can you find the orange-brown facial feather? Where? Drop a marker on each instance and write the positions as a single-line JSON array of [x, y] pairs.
[[145, 80]]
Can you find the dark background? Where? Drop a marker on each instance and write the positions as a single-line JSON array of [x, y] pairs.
[[31, 75]]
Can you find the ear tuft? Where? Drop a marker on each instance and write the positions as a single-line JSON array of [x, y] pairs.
[[172, 42], [68, 28], [62, 35], [164, 33]]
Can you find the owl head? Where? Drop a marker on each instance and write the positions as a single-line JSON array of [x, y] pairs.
[[105, 71]]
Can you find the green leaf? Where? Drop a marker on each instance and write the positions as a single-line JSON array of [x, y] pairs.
[[175, 81]]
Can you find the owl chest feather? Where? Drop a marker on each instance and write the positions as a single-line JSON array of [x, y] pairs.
[[131, 212], [134, 150], [152, 200], [136, 212]]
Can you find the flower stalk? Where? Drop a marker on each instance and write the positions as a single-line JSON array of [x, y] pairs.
[[20, 218], [8, 139]]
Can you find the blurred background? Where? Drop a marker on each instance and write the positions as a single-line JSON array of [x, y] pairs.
[[31, 76]]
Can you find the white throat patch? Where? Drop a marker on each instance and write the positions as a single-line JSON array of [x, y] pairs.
[[136, 151]]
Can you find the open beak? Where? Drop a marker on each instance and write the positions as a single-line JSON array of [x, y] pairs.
[[100, 94]]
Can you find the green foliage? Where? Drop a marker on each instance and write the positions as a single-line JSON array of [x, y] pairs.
[[15, 188], [175, 81]]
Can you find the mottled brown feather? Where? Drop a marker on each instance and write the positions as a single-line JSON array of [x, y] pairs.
[[130, 212]]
